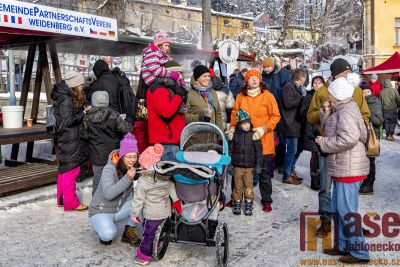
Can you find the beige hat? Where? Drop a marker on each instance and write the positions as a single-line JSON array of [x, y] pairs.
[[73, 79]]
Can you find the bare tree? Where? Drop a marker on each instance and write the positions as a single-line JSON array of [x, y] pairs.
[[286, 13]]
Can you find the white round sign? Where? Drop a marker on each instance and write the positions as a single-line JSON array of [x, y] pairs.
[[228, 51]]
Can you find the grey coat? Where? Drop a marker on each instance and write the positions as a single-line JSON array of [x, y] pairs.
[[112, 191], [152, 193], [375, 108], [344, 140]]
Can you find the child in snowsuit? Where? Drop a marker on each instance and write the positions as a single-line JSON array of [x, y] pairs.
[[246, 155], [154, 58], [101, 126], [152, 194]]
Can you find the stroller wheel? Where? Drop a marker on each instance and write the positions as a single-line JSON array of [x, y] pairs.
[[222, 244], [161, 239]]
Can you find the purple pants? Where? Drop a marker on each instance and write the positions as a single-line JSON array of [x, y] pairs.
[[149, 231]]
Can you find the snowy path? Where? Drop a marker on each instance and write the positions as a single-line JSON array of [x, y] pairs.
[[41, 234]]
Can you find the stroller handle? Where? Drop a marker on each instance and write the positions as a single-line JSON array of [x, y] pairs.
[[203, 127]]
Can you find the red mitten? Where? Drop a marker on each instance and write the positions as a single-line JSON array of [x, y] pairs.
[[135, 219], [177, 206]]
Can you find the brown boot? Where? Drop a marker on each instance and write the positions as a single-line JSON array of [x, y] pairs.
[[391, 137], [130, 236], [324, 229], [291, 180], [335, 252], [348, 259], [294, 175]]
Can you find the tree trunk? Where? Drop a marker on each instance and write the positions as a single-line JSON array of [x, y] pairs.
[[325, 21], [206, 25], [286, 13]]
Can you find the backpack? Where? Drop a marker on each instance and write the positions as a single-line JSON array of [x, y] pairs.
[[126, 97], [51, 122]]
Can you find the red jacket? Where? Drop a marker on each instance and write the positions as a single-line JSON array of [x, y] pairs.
[[376, 88], [161, 107]]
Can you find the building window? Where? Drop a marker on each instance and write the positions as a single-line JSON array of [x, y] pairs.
[[227, 23], [245, 25], [397, 31], [189, 16]]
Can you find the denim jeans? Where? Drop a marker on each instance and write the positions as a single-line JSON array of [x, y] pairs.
[[289, 162], [345, 201], [324, 195], [104, 224], [170, 152]]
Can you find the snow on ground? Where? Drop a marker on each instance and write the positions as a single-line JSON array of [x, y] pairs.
[[41, 234]]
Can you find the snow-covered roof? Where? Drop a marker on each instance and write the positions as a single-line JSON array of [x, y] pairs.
[[213, 12], [300, 27]]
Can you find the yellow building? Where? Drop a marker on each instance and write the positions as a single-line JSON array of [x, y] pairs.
[[165, 16], [381, 30], [297, 32]]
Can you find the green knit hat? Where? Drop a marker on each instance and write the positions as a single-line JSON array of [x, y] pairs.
[[172, 65], [242, 116]]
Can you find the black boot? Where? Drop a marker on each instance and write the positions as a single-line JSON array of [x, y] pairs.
[[212, 227], [237, 207], [105, 243], [366, 190], [248, 207], [314, 181], [324, 229]]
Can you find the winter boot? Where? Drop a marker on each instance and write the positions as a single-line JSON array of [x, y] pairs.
[[212, 227], [314, 181], [349, 259], [105, 243], [324, 229], [366, 190], [294, 175], [248, 207], [237, 206], [130, 236]]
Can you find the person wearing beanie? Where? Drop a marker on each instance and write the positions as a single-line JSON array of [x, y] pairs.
[[374, 105], [152, 197], [166, 107], [246, 154], [338, 66], [290, 125], [68, 102], [225, 99], [390, 100], [313, 116], [236, 84], [263, 110], [111, 203], [344, 139], [375, 85], [154, 58], [203, 105], [276, 78], [101, 128]]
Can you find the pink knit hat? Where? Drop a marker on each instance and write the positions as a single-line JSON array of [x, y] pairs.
[[150, 156], [128, 145], [161, 37]]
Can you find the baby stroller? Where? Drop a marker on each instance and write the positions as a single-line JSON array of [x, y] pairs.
[[199, 175]]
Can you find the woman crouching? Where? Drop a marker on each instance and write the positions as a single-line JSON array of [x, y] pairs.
[[345, 135]]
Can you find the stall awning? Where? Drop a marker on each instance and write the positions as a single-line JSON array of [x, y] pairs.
[[391, 65]]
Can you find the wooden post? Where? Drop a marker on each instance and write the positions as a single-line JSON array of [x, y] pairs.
[[38, 83], [27, 76], [54, 62], [46, 77]]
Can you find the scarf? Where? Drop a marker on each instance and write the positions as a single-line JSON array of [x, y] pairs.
[[204, 92], [254, 92]]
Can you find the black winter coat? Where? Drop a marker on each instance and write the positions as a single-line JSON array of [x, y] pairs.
[[106, 81], [290, 123], [72, 150], [245, 152], [307, 129], [375, 106], [101, 128]]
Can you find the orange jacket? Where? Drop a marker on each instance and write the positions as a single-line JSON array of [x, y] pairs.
[[263, 110]]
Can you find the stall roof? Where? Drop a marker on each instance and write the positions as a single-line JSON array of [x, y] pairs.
[[391, 65], [125, 46]]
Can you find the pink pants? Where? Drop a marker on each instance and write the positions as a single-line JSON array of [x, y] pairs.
[[66, 189]]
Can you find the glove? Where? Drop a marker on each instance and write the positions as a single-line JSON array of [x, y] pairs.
[[174, 75], [204, 118], [135, 219], [177, 206], [231, 132], [259, 132], [258, 169], [182, 83]]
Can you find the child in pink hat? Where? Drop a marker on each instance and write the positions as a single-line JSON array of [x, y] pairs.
[[154, 58], [152, 195]]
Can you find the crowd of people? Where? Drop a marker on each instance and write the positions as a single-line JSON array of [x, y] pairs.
[[268, 117]]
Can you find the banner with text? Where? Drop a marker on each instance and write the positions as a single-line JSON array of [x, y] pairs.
[[22, 15]]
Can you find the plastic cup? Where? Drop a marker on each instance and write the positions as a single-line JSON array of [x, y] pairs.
[[29, 122]]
